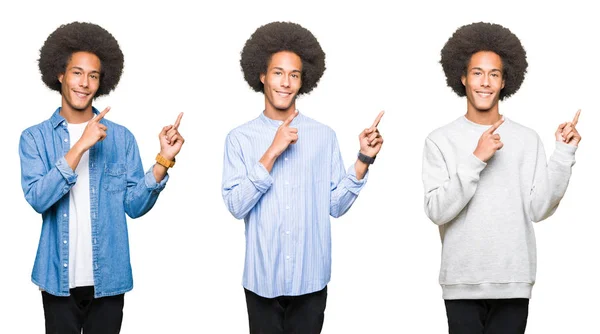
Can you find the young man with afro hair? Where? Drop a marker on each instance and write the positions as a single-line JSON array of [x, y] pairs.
[[83, 173], [486, 179], [283, 174]]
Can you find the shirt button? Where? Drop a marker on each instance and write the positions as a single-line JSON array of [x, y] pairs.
[[64, 215], [64, 265], [287, 232], [65, 242], [286, 159], [286, 183], [287, 207], [66, 140], [287, 257]]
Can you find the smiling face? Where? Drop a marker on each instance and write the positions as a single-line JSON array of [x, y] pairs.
[[483, 82], [282, 83], [80, 82]]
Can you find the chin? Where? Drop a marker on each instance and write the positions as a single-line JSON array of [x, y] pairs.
[[283, 107]]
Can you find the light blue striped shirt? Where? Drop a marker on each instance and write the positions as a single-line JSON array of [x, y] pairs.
[[286, 213]]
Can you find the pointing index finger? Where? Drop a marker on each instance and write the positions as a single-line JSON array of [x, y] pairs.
[[377, 120], [576, 118], [496, 125], [290, 119], [178, 120], [102, 114]]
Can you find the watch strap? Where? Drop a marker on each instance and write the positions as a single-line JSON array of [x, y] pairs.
[[164, 161], [365, 158]]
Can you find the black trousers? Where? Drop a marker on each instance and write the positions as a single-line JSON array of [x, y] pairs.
[[80, 310], [302, 314], [487, 316]]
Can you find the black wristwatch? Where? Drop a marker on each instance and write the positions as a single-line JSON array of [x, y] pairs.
[[365, 158]]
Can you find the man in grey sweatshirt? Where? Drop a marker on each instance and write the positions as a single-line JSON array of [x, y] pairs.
[[486, 179]]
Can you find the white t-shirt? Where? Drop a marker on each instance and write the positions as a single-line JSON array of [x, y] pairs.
[[80, 226]]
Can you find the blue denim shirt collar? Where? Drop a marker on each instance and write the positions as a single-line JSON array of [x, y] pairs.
[[57, 119]]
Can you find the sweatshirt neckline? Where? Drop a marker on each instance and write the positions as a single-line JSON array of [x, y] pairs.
[[472, 124]]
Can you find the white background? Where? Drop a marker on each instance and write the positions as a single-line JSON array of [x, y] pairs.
[[187, 253]]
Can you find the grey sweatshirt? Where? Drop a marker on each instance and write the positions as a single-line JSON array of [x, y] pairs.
[[484, 211]]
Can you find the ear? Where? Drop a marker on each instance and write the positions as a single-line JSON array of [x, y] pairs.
[[463, 79], [60, 77], [501, 88], [262, 78]]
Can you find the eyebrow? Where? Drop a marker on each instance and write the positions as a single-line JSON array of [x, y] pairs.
[[481, 69], [81, 69], [281, 69]]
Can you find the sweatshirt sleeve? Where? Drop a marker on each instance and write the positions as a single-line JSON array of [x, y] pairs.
[[550, 180], [446, 193]]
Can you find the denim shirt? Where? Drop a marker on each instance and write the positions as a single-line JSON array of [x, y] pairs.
[[118, 186]]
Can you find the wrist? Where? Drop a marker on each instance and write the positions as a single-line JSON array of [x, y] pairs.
[[79, 148], [272, 154], [367, 159], [167, 156], [165, 161]]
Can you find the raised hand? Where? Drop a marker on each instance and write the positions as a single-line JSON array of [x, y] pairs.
[[370, 139], [567, 133], [489, 143], [170, 139], [94, 131], [284, 136]]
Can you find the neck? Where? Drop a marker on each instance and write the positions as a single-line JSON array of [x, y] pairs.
[[487, 117], [279, 114], [76, 116]]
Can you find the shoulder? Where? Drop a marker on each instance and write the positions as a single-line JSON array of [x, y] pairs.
[[311, 124], [444, 132], [117, 128], [250, 127], [523, 132]]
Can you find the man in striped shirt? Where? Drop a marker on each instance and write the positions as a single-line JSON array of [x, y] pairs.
[[284, 175]]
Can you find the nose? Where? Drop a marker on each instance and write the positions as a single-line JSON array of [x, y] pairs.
[[83, 82], [485, 82], [285, 81]]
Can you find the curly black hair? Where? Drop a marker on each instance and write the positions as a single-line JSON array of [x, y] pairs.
[[80, 36], [472, 38], [282, 36]]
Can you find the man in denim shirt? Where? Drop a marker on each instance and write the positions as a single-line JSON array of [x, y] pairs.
[[83, 173]]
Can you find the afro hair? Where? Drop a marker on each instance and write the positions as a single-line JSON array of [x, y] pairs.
[[470, 39], [282, 36], [79, 36]]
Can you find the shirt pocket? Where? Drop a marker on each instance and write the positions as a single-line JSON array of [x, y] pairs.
[[114, 177]]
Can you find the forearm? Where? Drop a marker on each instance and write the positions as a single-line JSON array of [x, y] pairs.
[[159, 172], [73, 157], [346, 192], [43, 191], [268, 160], [551, 182], [361, 169], [142, 196], [241, 193], [446, 197]]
